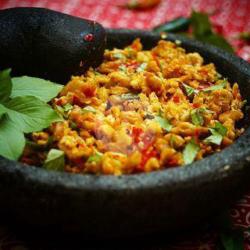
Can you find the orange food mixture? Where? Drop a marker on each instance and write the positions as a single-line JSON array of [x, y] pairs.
[[140, 111]]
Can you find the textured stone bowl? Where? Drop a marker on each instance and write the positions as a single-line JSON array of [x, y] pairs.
[[166, 200]]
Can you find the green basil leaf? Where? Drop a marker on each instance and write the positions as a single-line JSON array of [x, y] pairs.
[[130, 96], [5, 85], [196, 116], [3, 110], [12, 140], [122, 68], [220, 128], [218, 41], [201, 24], [216, 87], [175, 25], [55, 160], [190, 152], [89, 109], [215, 138], [67, 107], [189, 90], [32, 86], [232, 240], [202, 31], [164, 123], [30, 114], [95, 158], [142, 67], [119, 56], [218, 132], [59, 110]]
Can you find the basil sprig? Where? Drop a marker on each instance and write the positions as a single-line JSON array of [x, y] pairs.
[[197, 116], [164, 123], [189, 90], [202, 31], [55, 160], [23, 109], [218, 132], [95, 157], [190, 151], [142, 67], [222, 85], [31, 86]]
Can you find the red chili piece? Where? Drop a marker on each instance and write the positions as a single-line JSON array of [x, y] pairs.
[[58, 102], [136, 132], [76, 100], [172, 162], [146, 155], [176, 98], [197, 133], [89, 91], [196, 105]]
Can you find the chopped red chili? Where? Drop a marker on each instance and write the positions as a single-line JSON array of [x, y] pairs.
[[172, 162], [146, 155], [76, 100], [136, 133], [196, 105], [59, 102], [176, 98], [89, 91]]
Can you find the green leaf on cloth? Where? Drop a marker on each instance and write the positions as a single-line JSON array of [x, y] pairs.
[[202, 31]]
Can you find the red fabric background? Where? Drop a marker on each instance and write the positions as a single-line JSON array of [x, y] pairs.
[[230, 18]]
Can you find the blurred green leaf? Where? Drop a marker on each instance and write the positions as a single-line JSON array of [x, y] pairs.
[[201, 24], [175, 25], [5, 85], [232, 240], [55, 160], [202, 31], [218, 41], [190, 151]]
